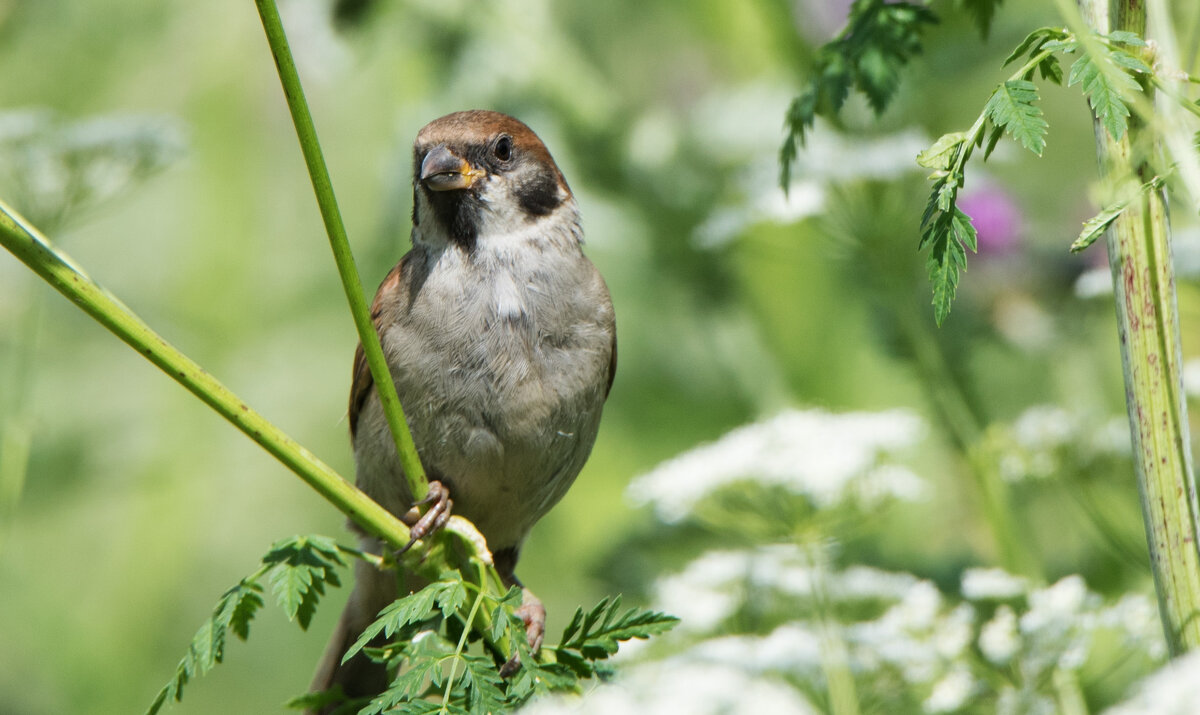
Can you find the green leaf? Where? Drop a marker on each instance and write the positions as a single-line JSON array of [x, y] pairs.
[[992, 140], [597, 633], [948, 236], [1105, 93], [1126, 38], [982, 12], [879, 39], [1095, 226], [1051, 69], [482, 681], [1033, 42], [1011, 106], [941, 155], [413, 608], [299, 569], [235, 609]]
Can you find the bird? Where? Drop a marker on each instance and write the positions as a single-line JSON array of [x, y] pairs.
[[500, 336]]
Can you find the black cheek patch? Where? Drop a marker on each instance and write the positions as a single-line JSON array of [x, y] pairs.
[[538, 195]]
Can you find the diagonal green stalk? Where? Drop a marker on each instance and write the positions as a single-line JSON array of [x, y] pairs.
[[34, 250], [1139, 251], [414, 474]]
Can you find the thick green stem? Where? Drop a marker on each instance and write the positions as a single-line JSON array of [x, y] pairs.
[[1139, 254], [414, 474], [35, 251]]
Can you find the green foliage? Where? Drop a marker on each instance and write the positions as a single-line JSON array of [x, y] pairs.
[[435, 675], [882, 38], [594, 636], [879, 39], [422, 626], [1011, 108], [446, 595], [1095, 226], [1106, 81], [299, 568], [982, 12], [234, 611]]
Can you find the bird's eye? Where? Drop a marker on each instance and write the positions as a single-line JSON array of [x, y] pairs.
[[503, 148]]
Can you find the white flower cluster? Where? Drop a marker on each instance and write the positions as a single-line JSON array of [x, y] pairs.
[[682, 685], [1173, 690], [1055, 632], [1036, 445], [711, 589], [919, 637], [921, 640], [830, 459]]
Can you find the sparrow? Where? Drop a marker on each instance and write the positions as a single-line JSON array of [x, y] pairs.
[[500, 336]]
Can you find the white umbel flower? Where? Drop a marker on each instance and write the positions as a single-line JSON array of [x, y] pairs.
[[827, 458]]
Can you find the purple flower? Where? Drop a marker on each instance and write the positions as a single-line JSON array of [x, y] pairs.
[[996, 218]]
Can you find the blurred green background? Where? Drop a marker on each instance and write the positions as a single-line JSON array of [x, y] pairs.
[[139, 506]]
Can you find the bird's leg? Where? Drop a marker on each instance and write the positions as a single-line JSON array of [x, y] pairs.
[[435, 517], [531, 610]]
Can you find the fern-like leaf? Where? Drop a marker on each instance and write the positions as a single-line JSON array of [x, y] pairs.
[[879, 39], [234, 611], [1011, 106], [596, 633], [413, 608], [300, 567], [1105, 91]]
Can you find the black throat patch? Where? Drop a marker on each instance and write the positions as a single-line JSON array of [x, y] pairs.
[[458, 212]]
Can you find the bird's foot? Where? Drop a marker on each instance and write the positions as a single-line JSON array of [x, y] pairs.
[[533, 613], [435, 517]]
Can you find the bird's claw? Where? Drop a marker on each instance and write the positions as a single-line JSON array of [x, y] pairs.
[[435, 517], [534, 614]]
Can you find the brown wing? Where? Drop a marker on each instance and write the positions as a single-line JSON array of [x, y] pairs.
[[363, 382]]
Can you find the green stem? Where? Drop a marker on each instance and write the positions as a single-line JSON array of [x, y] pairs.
[[35, 251], [414, 474], [462, 641], [1148, 324]]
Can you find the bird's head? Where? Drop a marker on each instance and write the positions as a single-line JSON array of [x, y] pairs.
[[481, 173]]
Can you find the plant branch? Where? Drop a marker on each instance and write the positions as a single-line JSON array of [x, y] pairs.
[[34, 250], [414, 474]]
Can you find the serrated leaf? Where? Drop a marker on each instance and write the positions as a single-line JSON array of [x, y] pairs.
[[1051, 69], [941, 154], [300, 567], [482, 682], [1104, 94], [948, 236], [992, 140], [235, 609], [1011, 106], [596, 633], [1095, 226], [413, 608], [1128, 61], [879, 39], [964, 232], [1034, 41], [1127, 38]]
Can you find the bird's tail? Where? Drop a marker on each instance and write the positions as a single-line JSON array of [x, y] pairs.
[[358, 677]]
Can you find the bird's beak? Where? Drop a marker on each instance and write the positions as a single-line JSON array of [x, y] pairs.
[[443, 170]]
